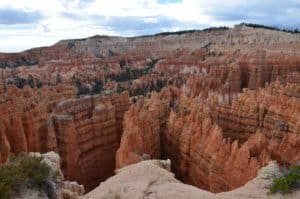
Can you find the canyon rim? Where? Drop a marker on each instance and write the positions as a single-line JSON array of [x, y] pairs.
[[220, 106]]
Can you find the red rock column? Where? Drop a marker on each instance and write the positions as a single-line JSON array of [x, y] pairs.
[[4, 145], [16, 135], [122, 104], [67, 146]]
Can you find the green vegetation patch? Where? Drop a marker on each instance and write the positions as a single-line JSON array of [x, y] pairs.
[[30, 81], [24, 171], [286, 183], [271, 28]]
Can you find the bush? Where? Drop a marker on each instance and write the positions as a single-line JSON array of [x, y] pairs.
[[97, 87], [24, 170], [36, 171], [30, 81], [286, 183], [38, 84], [19, 82]]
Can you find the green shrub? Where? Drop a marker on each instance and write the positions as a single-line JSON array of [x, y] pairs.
[[286, 183], [30, 81], [19, 82], [24, 170], [36, 171], [97, 87]]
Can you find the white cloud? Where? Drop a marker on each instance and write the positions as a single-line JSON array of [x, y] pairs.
[[151, 20], [64, 19]]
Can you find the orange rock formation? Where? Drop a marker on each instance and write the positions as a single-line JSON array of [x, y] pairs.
[[214, 145], [231, 103], [84, 131]]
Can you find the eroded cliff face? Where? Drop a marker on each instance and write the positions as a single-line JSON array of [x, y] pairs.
[[241, 57], [88, 133], [25, 119], [215, 145], [217, 113], [84, 131]]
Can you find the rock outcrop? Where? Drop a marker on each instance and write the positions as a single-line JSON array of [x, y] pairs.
[[25, 118], [214, 145], [58, 188], [87, 135], [236, 58], [151, 179], [224, 98]]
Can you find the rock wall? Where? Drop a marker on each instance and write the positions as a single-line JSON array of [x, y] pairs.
[[240, 57], [84, 131], [87, 136], [122, 104], [213, 147], [143, 124], [25, 120], [204, 124]]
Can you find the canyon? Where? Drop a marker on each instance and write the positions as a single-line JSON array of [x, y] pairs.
[[219, 103], [214, 145], [84, 131]]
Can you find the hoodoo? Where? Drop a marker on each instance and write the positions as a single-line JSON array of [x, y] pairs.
[[222, 104], [212, 144]]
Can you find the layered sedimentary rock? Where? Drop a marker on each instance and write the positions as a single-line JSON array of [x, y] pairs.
[[212, 115], [241, 57], [153, 179], [143, 123], [213, 144], [87, 131], [122, 104], [25, 118], [84, 131]]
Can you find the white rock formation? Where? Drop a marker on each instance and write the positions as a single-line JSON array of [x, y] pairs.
[[150, 179]]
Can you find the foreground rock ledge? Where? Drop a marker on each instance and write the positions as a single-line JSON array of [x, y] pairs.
[[59, 189], [153, 179]]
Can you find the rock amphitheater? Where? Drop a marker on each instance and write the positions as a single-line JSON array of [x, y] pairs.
[[222, 105]]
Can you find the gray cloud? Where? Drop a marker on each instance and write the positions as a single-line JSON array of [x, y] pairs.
[[131, 25], [275, 13], [13, 16], [168, 1], [256, 11], [79, 4], [70, 15], [279, 13], [86, 1]]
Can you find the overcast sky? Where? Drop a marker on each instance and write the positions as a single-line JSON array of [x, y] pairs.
[[31, 23]]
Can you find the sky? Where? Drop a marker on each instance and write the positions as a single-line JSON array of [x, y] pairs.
[[26, 24]]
